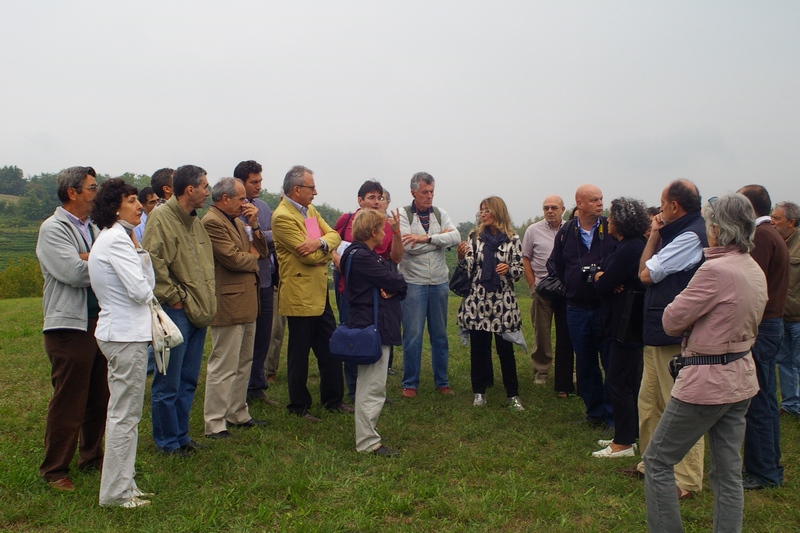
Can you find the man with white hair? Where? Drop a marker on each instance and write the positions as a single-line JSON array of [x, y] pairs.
[[785, 217]]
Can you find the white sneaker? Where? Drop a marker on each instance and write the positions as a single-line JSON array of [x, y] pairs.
[[606, 453], [538, 380], [137, 493], [134, 503], [479, 401], [604, 442], [515, 403]]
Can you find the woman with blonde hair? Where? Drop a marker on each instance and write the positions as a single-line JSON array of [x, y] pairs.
[[492, 257]]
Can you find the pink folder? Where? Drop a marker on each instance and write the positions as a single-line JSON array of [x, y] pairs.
[[312, 227]]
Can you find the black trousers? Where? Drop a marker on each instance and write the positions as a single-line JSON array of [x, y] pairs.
[[564, 364], [480, 349], [312, 333], [258, 379], [623, 380]]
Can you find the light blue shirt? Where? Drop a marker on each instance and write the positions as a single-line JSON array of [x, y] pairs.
[[586, 235], [82, 225], [139, 230], [683, 253]]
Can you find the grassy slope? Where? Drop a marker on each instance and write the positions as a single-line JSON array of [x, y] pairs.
[[462, 469]]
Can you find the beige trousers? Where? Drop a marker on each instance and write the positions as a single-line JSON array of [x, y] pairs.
[[227, 376], [542, 320], [654, 394], [127, 376], [370, 397]]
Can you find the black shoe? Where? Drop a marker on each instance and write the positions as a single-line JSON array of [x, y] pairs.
[[751, 483], [391, 372], [192, 446], [385, 451], [251, 424], [342, 407], [224, 434], [177, 452], [388, 401]]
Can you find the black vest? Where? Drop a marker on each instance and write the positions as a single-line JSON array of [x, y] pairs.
[[660, 295]]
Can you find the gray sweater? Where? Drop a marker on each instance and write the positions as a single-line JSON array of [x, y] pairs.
[[66, 275]]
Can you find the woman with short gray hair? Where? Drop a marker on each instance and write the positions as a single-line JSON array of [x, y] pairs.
[[718, 313]]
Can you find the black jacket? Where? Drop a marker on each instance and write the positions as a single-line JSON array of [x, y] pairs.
[[369, 270], [622, 268]]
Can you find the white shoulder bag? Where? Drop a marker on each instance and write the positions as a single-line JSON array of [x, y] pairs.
[[166, 335]]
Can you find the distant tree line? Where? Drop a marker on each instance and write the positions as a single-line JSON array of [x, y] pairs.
[[38, 198]]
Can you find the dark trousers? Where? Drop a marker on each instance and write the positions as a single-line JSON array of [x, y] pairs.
[[77, 411], [312, 333], [586, 331], [480, 350], [762, 438], [258, 379], [564, 355], [623, 379]]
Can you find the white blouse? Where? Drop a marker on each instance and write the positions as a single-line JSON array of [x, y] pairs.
[[123, 280]]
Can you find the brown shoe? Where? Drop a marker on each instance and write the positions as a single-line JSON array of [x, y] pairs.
[[342, 407], [684, 494], [631, 472], [446, 390], [271, 380], [309, 417], [409, 393], [62, 485]]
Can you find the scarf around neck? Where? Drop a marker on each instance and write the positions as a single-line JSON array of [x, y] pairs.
[[491, 243]]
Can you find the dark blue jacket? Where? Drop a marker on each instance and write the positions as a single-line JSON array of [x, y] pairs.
[[570, 255], [660, 295], [369, 270]]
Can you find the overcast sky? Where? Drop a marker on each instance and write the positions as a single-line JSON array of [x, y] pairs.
[[519, 99]]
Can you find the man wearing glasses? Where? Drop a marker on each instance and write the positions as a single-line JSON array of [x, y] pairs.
[[303, 244], [673, 253], [537, 244], [79, 370]]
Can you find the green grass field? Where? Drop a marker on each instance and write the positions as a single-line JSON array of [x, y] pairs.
[[461, 468]]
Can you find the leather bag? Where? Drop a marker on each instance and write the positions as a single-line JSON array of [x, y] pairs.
[[166, 335], [361, 346]]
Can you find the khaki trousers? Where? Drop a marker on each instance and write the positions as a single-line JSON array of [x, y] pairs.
[[542, 320], [227, 376], [654, 393], [127, 376], [370, 397]]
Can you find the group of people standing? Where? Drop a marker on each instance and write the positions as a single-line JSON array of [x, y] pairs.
[[638, 288], [647, 293]]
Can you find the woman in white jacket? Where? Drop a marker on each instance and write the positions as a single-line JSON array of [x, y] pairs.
[[122, 278]]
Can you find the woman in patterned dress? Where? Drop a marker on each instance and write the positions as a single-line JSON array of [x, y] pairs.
[[492, 256]]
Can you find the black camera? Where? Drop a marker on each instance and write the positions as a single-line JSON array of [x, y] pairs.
[[588, 272]]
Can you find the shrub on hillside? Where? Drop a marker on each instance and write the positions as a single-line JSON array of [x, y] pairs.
[[22, 278]]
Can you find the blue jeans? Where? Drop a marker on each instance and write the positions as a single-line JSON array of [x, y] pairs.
[[680, 427], [762, 440], [425, 302], [172, 395], [788, 366], [586, 331]]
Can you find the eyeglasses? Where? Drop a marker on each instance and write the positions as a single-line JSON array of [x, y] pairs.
[[92, 187], [312, 187], [484, 212], [551, 208], [711, 205]]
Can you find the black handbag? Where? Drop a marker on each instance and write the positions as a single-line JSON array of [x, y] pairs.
[[361, 346], [460, 283], [551, 287]]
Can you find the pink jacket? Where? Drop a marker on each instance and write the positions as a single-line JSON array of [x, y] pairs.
[[723, 305]]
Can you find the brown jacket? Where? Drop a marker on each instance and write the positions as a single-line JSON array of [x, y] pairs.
[[235, 269]]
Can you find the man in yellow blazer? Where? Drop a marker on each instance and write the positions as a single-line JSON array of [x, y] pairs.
[[233, 329], [303, 244]]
